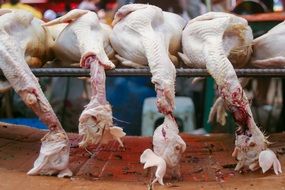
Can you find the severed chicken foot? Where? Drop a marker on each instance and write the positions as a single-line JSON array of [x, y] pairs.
[[95, 122], [168, 147]]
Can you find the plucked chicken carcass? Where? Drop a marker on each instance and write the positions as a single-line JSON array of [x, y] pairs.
[[265, 55], [269, 48], [24, 43], [145, 35], [85, 39], [208, 40], [237, 44]]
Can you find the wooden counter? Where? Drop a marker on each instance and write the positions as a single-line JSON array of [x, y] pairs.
[[206, 164]]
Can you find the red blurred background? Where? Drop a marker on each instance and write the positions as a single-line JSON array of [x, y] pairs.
[[61, 5]]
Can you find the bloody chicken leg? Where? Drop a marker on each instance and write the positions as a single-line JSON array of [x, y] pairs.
[[210, 31], [145, 35], [84, 39], [96, 124]]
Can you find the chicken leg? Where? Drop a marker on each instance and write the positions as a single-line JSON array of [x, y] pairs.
[[98, 111], [86, 40], [144, 34], [54, 153], [210, 30]]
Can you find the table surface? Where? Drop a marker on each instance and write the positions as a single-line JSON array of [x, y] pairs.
[[206, 164]]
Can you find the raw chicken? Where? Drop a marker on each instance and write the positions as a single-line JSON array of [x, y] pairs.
[[85, 39], [236, 40], [218, 110], [168, 147], [237, 44], [145, 35], [269, 48], [209, 39], [24, 43], [265, 55]]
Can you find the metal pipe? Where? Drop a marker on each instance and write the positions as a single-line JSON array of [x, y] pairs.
[[181, 72]]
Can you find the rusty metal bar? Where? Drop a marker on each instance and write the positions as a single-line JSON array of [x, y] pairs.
[[181, 72]]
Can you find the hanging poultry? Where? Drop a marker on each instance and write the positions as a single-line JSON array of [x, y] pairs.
[[85, 39], [144, 35], [210, 40], [24, 43]]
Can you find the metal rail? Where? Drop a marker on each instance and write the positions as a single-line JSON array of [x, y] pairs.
[[181, 72]]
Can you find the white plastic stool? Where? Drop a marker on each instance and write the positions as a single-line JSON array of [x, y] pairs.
[[184, 110]]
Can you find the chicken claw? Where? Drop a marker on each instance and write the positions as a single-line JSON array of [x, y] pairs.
[[54, 156], [252, 153], [267, 159], [150, 159]]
